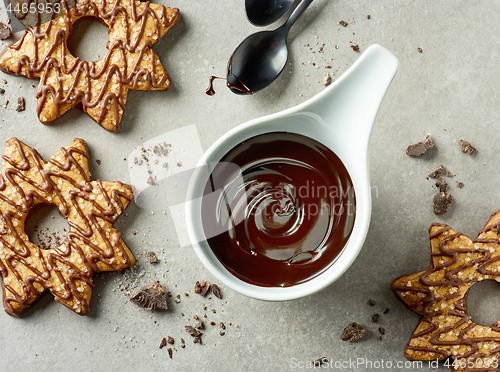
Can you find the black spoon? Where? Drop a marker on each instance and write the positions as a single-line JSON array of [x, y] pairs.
[[261, 57], [265, 12]]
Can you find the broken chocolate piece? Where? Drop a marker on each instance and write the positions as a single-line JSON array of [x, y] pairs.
[[170, 340], [442, 202], [466, 147], [381, 330], [163, 343], [442, 185], [375, 318], [20, 104], [460, 184], [202, 288], [352, 333], [151, 296], [321, 362], [5, 32], [343, 23], [371, 302], [420, 148], [151, 257], [199, 325], [436, 172], [169, 350], [192, 331], [216, 291]]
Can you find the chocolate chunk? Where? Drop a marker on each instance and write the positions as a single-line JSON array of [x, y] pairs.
[[460, 184], [420, 148], [169, 350], [466, 147], [202, 288], [192, 331], [381, 330], [321, 362], [371, 302], [163, 343], [436, 172], [375, 318], [353, 332], [197, 340], [170, 340], [442, 202], [151, 257], [5, 32], [151, 296], [442, 185], [216, 291], [20, 104]]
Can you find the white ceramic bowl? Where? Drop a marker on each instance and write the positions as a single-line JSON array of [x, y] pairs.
[[340, 117]]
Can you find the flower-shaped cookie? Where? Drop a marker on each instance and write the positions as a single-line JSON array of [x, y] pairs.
[[440, 296], [101, 87], [90, 207]]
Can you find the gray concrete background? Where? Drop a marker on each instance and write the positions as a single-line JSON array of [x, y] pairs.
[[449, 91]]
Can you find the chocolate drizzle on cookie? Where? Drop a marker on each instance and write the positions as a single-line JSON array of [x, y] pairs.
[[439, 295], [90, 207], [101, 87]]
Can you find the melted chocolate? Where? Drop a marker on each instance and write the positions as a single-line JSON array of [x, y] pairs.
[[286, 217]]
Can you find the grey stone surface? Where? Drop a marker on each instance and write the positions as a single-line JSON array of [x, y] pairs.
[[449, 90]]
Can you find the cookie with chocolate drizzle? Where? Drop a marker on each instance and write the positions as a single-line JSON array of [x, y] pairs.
[[90, 207], [99, 88], [439, 295]]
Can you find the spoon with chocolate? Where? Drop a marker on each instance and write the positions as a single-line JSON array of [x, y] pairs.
[[261, 57], [265, 12]]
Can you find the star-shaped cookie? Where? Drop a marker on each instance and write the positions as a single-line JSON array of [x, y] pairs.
[[439, 295], [90, 207], [99, 88]]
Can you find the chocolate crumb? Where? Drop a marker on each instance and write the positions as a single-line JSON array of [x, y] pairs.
[[151, 257], [183, 345], [466, 147], [170, 340], [179, 164], [419, 50], [442, 202], [197, 340], [323, 361], [449, 174], [381, 330], [375, 318], [420, 148], [386, 310], [460, 184], [371, 302], [2, 91], [353, 332], [5, 32], [379, 338], [343, 23], [20, 104], [368, 16], [355, 47], [327, 80], [163, 343], [192, 331], [222, 333], [222, 325], [202, 288], [436, 172], [216, 291], [151, 297], [98, 161], [182, 341], [199, 325], [212, 323], [169, 350], [442, 185]]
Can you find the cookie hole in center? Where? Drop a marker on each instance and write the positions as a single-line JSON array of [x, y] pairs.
[[88, 39], [46, 227], [483, 302]]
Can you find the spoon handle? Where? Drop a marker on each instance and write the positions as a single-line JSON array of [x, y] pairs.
[[297, 12]]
